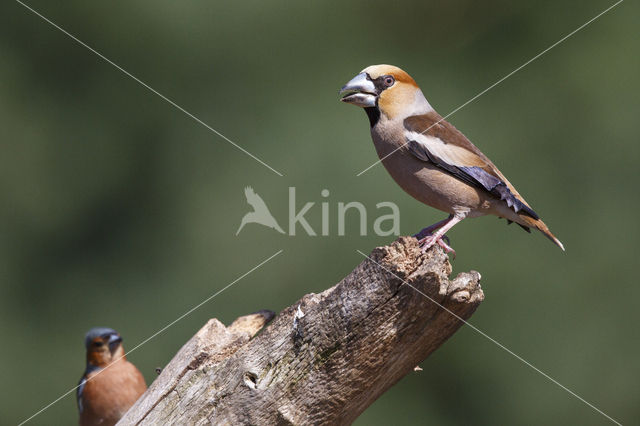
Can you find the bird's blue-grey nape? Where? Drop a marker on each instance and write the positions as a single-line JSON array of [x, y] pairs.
[[97, 332]]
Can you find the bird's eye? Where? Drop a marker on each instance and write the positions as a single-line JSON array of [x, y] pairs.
[[389, 80], [97, 344]]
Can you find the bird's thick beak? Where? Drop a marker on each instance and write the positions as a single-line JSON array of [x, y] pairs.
[[360, 91], [114, 340]]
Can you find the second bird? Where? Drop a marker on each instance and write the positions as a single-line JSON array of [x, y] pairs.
[[430, 159], [110, 384]]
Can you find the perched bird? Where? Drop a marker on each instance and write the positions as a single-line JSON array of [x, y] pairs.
[[430, 159], [110, 384], [260, 213]]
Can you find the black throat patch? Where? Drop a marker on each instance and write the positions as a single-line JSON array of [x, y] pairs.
[[374, 114]]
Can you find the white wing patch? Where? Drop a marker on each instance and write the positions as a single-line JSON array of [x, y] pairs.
[[464, 165], [81, 385], [448, 153]]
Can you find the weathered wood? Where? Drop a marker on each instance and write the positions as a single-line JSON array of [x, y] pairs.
[[324, 359]]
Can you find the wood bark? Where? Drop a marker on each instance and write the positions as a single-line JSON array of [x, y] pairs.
[[325, 358]]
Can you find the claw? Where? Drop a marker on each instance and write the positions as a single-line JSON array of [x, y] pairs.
[[426, 247], [422, 239], [428, 242], [429, 229], [427, 238], [446, 247]]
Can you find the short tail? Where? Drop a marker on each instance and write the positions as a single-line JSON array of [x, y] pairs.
[[540, 226]]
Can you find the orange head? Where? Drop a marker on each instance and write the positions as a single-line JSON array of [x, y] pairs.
[[385, 90]]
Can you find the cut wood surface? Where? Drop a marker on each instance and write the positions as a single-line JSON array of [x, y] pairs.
[[325, 358]]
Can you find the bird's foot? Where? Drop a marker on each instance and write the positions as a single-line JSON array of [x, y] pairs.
[[431, 228], [430, 240], [423, 239], [428, 231], [445, 246]]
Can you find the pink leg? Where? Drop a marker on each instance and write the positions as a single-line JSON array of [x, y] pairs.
[[430, 240], [429, 229]]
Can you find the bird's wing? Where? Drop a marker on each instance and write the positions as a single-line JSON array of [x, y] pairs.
[[434, 140], [254, 199], [83, 381]]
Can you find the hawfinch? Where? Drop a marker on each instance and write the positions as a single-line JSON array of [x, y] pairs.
[[430, 159], [110, 384]]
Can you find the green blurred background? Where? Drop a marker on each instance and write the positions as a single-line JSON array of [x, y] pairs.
[[119, 210]]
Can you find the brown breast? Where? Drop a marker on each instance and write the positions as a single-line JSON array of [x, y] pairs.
[[420, 179], [109, 393]]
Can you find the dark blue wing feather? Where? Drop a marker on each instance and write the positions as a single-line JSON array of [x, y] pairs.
[[474, 176]]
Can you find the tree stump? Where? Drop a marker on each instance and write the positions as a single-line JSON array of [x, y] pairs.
[[325, 358]]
